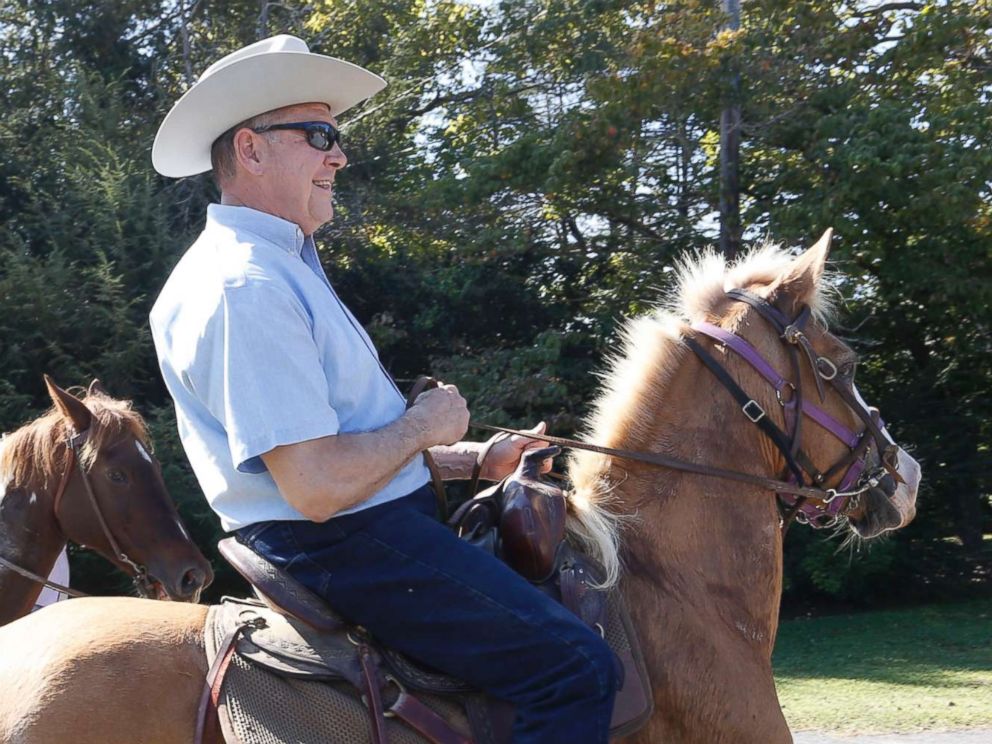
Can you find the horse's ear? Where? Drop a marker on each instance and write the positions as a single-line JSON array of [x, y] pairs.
[[73, 410], [798, 285], [96, 388]]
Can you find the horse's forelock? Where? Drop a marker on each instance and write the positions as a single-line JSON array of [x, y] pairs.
[[636, 380], [112, 420]]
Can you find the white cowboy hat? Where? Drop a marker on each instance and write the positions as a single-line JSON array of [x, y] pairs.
[[269, 74]]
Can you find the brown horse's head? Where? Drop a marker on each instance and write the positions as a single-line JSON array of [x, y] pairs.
[[118, 472], [659, 396], [822, 374]]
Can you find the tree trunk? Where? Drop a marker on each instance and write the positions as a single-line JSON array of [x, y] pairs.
[[730, 145]]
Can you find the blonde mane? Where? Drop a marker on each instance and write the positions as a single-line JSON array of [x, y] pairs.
[[38, 448], [638, 375]]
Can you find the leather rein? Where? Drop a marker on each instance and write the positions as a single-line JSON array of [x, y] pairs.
[[139, 573], [802, 496]]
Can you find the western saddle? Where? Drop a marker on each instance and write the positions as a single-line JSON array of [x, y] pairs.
[[295, 634]]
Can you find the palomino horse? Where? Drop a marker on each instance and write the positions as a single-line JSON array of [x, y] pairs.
[[84, 472], [701, 556]]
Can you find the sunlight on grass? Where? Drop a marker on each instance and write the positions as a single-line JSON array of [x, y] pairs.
[[928, 668], [849, 706]]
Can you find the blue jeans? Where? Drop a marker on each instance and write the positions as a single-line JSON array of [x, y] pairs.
[[417, 588]]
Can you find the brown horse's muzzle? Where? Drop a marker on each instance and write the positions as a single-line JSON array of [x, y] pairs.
[[892, 504], [187, 585], [184, 582]]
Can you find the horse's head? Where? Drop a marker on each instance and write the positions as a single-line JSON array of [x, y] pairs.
[[112, 497], [841, 444]]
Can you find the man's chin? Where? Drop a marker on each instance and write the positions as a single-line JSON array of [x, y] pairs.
[[321, 216]]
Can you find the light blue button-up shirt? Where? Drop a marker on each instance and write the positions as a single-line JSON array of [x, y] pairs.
[[257, 351]]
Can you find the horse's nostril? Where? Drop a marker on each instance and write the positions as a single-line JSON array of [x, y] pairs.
[[193, 580]]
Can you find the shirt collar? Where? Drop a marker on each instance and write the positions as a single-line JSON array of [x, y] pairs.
[[282, 233]]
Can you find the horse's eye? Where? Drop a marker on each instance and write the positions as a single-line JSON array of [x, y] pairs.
[[116, 476], [848, 369]]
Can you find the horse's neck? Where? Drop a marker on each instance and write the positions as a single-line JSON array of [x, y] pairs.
[[703, 581], [707, 548], [714, 550], [29, 538]]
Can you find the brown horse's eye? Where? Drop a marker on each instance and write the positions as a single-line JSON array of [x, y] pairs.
[[116, 476], [847, 370]]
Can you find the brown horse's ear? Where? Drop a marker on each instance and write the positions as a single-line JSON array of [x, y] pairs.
[[73, 410], [96, 388], [798, 285]]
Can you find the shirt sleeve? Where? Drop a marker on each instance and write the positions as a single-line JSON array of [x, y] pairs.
[[264, 380]]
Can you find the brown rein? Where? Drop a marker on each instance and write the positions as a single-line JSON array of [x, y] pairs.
[[793, 335], [40, 580], [652, 458], [791, 332], [674, 463]]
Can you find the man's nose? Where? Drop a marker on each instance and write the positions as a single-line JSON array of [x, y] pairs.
[[336, 157]]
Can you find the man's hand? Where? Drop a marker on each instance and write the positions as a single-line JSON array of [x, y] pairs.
[[442, 415], [506, 453]]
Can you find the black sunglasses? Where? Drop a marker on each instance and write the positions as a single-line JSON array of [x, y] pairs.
[[321, 135]]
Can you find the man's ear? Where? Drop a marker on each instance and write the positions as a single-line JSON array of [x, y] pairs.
[[247, 153]]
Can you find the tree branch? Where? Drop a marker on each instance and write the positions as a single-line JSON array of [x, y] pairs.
[[632, 224], [438, 100], [573, 228], [441, 100], [887, 7], [164, 20]]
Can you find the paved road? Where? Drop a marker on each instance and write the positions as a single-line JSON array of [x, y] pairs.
[[983, 736]]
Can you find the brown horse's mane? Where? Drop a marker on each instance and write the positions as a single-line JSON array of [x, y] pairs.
[[638, 375], [40, 444]]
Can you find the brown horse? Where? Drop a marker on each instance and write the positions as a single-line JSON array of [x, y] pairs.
[[84, 472], [700, 556]]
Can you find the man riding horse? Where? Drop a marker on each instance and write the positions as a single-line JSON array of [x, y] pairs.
[[299, 438]]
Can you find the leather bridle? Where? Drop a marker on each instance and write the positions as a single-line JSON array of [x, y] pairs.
[[870, 465], [862, 472], [139, 573]]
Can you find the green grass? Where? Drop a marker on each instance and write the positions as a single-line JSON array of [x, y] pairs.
[[927, 668]]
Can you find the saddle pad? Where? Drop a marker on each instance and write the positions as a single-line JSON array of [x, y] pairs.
[[289, 683], [260, 706]]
